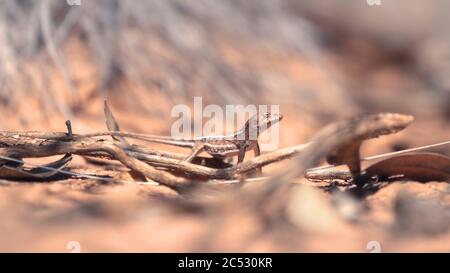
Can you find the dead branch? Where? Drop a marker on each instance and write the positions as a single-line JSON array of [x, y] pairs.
[[19, 147], [178, 173]]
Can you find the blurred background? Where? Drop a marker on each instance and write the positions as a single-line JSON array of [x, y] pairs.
[[320, 60]]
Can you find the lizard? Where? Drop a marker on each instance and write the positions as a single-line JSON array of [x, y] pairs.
[[222, 146]]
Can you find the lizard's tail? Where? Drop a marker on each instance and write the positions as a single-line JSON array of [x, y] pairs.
[[149, 138]]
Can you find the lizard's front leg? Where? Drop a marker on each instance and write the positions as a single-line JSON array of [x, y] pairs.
[[241, 153], [256, 149], [198, 148], [257, 152]]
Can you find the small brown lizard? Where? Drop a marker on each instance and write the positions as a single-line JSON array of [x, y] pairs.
[[221, 146]]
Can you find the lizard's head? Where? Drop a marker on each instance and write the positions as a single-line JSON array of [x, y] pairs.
[[259, 123], [265, 120]]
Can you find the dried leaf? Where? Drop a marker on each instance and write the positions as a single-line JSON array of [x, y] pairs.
[[112, 124], [361, 129], [422, 167], [44, 171]]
